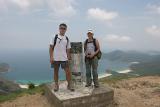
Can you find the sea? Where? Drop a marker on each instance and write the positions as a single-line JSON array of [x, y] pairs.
[[31, 66]]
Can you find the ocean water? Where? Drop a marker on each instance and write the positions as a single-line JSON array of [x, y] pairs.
[[33, 66]]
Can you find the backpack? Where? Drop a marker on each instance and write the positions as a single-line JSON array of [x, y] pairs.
[[55, 40], [99, 54]]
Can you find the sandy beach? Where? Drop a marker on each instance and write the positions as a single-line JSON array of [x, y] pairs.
[[104, 75], [25, 86], [125, 71]]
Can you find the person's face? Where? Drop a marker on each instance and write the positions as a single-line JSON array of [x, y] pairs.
[[90, 35], [62, 29]]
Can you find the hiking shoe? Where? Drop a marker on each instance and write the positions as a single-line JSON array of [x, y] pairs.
[[96, 86], [56, 87], [70, 87], [87, 85]]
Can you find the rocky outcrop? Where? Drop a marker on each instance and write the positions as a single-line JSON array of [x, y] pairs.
[[7, 86]]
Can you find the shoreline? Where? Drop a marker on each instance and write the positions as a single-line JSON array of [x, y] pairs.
[[102, 75], [25, 86]]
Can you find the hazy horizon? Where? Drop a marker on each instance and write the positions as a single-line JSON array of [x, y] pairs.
[[24, 51]]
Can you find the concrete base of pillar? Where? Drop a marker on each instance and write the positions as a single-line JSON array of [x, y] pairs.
[[81, 97]]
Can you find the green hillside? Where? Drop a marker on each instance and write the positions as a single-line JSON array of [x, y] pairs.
[[149, 62], [151, 67], [129, 56]]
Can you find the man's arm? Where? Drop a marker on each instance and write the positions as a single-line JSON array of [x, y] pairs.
[[69, 54], [69, 50], [51, 53]]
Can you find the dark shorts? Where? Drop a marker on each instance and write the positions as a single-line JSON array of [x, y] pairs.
[[57, 64]]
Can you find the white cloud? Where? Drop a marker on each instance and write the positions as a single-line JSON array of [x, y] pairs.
[[117, 38], [153, 30], [22, 4], [100, 14], [60, 8], [3, 5], [154, 8]]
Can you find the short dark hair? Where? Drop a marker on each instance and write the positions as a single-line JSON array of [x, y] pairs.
[[63, 24]]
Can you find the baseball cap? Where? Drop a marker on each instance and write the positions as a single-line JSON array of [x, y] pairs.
[[90, 31]]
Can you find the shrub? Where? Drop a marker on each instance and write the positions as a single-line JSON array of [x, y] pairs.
[[31, 86]]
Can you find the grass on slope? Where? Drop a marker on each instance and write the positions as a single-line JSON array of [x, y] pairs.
[[14, 95], [115, 78]]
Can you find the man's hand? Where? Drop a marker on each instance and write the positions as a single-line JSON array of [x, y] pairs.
[[69, 54], [51, 60]]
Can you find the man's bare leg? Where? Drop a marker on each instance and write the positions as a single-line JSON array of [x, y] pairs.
[[56, 69], [68, 78]]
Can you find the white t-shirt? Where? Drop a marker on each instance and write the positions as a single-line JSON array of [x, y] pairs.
[[60, 53]]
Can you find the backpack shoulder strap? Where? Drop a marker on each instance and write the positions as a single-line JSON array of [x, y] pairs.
[[55, 39], [67, 41]]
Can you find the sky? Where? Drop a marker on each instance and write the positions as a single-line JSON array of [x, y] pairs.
[[117, 24]]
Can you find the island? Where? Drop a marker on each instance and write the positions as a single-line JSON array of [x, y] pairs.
[[4, 67]]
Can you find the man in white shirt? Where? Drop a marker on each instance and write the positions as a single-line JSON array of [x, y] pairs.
[[60, 54]]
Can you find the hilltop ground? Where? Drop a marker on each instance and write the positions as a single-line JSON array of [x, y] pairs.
[[133, 92], [138, 92]]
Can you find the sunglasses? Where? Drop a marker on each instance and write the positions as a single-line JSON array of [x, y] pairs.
[[63, 28]]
